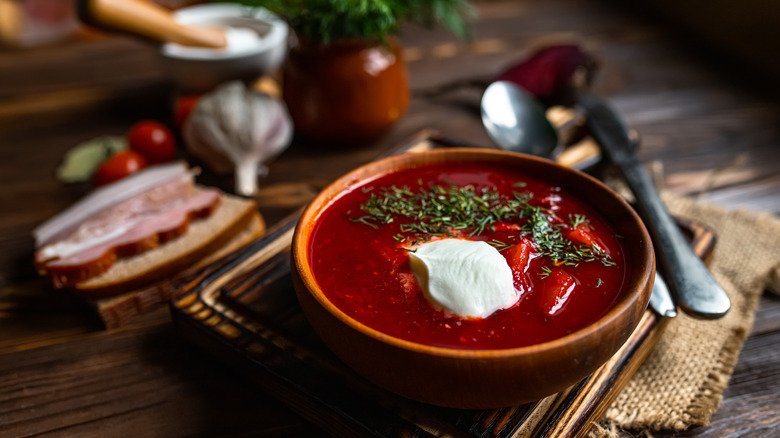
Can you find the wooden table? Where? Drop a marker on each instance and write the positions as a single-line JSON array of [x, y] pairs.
[[709, 122]]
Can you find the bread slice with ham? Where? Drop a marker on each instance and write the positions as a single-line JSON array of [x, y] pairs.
[[117, 310], [128, 236], [202, 238]]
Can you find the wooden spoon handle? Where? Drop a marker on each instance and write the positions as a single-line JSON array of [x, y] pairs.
[[149, 20]]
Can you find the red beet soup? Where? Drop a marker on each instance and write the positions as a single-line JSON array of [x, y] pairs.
[[567, 263]]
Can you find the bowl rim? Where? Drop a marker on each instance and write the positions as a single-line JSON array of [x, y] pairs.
[[312, 211], [203, 13]]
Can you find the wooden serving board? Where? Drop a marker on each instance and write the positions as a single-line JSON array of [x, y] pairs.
[[243, 310]]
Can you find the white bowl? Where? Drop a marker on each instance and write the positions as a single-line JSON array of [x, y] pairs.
[[199, 70]]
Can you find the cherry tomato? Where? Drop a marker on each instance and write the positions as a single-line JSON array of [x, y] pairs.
[[153, 140], [183, 108], [120, 165]]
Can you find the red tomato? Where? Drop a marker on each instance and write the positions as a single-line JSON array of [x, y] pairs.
[[182, 109], [119, 166], [153, 140]]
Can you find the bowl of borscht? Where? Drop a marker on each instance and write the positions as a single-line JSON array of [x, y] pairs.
[[471, 278]]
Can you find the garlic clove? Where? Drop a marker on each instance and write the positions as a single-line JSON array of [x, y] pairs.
[[237, 129]]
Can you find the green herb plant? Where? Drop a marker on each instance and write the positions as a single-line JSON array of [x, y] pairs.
[[325, 21]]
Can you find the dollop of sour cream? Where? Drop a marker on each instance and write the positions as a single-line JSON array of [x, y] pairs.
[[463, 277]]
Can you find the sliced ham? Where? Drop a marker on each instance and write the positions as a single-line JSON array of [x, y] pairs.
[[129, 227], [107, 197], [116, 219]]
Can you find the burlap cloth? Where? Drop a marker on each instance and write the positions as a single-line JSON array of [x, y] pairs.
[[681, 384]]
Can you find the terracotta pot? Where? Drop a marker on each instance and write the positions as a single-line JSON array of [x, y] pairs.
[[345, 92]]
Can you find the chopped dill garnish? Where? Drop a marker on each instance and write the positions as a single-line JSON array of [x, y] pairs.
[[577, 220], [465, 211], [599, 282], [499, 245], [438, 211], [545, 272], [365, 220]]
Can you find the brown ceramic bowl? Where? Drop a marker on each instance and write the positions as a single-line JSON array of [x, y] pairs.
[[479, 379]]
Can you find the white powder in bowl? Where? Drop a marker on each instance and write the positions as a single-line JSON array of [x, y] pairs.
[[240, 40]]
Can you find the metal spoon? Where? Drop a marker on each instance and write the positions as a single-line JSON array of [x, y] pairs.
[[516, 122]]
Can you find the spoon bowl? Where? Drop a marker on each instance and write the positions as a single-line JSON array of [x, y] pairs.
[[515, 121]]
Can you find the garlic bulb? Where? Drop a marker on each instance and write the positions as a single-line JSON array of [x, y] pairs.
[[237, 129]]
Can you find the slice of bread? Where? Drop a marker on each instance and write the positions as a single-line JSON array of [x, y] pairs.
[[203, 238], [118, 310]]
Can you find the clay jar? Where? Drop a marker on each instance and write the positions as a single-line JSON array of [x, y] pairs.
[[346, 92]]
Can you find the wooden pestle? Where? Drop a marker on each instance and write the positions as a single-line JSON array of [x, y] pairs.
[[147, 19]]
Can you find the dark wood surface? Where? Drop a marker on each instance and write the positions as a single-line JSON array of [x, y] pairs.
[[707, 118]]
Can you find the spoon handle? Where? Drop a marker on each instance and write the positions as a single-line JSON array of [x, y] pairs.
[[689, 280]]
